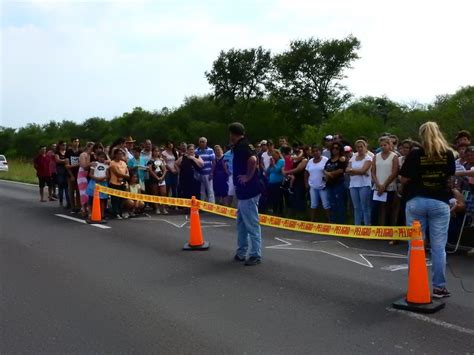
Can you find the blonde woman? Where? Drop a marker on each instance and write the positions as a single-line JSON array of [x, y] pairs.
[[425, 176], [360, 183], [384, 175]]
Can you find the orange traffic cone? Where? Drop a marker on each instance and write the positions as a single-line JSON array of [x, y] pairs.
[[196, 241], [418, 298], [96, 215]]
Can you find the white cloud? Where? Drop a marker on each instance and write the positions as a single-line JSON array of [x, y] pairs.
[[80, 59]]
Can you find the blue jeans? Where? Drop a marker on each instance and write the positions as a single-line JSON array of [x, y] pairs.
[[362, 201], [337, 200], [63, 190], [248, 227], [433, 214]]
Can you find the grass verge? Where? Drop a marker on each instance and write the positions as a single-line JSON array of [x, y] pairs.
[[19, 170]]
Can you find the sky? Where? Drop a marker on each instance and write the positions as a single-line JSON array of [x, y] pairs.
[[79, 59]]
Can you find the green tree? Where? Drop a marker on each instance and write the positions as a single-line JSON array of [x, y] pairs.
[[455, 112], [7, 137], [309, 75], [240, 73]]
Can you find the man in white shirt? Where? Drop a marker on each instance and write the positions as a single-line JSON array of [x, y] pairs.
[[267, 154], [327, 149]]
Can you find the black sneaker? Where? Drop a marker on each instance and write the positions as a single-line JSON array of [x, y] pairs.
[[239, 259], [441, 292], [253, 260]]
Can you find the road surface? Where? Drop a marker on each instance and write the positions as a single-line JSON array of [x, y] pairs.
[[69, 287]]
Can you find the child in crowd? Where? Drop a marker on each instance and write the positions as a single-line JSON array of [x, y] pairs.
[[137, 165], [135, 207], [157, 173], [98, 175]]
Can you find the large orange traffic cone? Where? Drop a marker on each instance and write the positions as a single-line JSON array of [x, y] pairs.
[[96, 215], [418, 298], [196, 241]]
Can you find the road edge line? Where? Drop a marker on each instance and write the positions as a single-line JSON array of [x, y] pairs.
[[81, 221], [434, 321], [19, 182]]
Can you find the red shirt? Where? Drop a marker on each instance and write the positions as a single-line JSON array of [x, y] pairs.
[[52, 162], [288, 162], [42, 166]]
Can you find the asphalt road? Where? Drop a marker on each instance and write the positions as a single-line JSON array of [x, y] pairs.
[[68, 287]]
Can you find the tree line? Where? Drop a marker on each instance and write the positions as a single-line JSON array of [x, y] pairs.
[[297, 93]]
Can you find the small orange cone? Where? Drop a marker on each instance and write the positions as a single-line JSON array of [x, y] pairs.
[[196, 241], [96, 215], [418, 298]]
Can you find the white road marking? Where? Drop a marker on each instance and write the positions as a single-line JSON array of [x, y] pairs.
[[400, 266], [82, 221], [180, 225], [434, 321], [174, 224]]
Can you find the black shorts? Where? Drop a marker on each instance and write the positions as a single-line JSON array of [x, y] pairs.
[[44, 181]]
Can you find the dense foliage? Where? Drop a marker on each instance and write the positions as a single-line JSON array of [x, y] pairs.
[[297, 93]]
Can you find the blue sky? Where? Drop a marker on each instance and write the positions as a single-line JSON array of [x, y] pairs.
[[79, 59]]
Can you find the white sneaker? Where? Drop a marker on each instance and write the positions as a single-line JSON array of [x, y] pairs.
[[157, 212], [165, 211], [125, 215]]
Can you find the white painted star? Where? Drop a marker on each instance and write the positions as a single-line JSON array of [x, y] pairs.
[[336, 249]]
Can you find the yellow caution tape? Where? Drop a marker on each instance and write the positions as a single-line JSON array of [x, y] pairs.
[[171, 201], [341, 230]]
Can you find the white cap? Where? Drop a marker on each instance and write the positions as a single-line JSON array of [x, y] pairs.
[[329, 137]]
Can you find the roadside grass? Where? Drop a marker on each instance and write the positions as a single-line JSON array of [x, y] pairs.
[[20, 170]]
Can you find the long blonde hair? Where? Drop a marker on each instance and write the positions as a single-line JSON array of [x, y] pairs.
[[433, 141]]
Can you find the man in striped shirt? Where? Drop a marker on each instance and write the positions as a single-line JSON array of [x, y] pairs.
[[209, 158]]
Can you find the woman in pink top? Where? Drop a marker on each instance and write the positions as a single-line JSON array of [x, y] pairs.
[[82, 175]]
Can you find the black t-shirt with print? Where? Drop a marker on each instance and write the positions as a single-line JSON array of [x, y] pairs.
[[73, 158], [428, 178], [333, 166]]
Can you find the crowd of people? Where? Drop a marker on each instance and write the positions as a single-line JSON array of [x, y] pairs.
[[392, 184], [350, 183]]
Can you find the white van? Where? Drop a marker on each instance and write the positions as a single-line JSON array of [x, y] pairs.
[[3, 163]]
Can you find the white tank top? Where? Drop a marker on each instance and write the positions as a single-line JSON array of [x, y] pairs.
[[384, 170]]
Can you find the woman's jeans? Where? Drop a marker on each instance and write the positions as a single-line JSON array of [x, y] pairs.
[[433, 214], [115, 201], [337, 200], [276, 198], [362, 201], [63, 188], [172, 183], [318, 196]]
